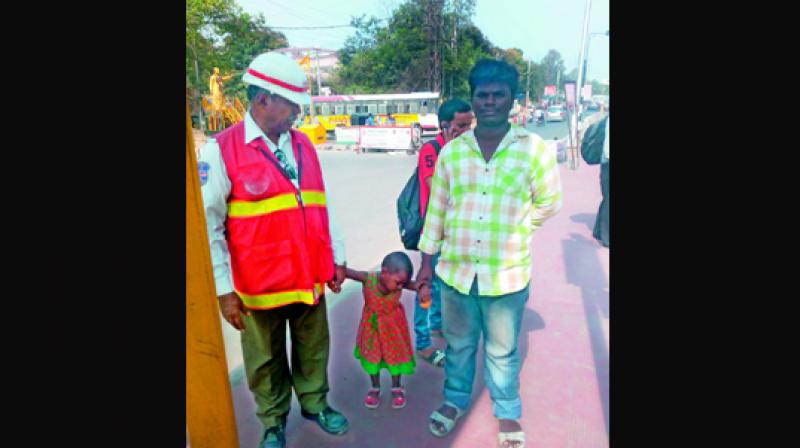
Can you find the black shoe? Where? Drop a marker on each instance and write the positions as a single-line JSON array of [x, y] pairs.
[[274, 437], [331, 421]]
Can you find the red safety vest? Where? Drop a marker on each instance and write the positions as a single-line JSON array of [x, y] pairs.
[[278, 238]]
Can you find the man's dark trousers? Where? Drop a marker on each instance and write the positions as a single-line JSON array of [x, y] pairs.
[[266, 363]]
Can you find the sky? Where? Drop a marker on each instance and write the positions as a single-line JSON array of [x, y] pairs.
[[534, 26]]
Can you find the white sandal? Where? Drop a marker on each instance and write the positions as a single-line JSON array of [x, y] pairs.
[[448, 423], [435, 359], [512, 439]]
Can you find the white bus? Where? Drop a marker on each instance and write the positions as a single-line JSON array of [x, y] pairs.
[[418, 109]]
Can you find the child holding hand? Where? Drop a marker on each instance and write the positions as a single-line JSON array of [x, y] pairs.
[[383, 340]]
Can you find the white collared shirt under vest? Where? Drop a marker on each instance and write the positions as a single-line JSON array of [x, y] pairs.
[[216, 188]]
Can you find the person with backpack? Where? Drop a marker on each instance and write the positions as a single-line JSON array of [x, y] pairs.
[[455, 118], [596, 149]]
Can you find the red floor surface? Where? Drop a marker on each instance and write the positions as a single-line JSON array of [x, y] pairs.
[[564, 344]]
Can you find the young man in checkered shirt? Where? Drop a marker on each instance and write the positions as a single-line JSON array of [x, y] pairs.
[[492, 188]]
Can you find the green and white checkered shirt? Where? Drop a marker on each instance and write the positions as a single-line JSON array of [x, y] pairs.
[[481, 216]]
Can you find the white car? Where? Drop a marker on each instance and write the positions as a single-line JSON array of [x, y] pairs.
[[555, 113]]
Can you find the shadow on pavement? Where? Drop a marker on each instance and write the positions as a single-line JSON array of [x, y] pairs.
[[585, 218], [383, 427], [585, 271]]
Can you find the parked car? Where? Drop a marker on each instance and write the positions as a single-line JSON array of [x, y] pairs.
[[555, 113]]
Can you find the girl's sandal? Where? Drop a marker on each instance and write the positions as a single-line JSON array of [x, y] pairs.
[[446, 422], [512, 439], [436, 358], [398, 397], [372, 401]]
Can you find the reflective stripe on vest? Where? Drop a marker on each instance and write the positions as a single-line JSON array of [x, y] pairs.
[[281, 298], [286, 201]]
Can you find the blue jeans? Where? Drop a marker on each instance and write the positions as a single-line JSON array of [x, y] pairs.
[[429, 319], [500, 319]]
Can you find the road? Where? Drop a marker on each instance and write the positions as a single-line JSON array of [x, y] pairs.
[[564, 342]]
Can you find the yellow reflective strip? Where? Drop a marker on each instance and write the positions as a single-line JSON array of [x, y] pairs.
[[311, 197], [241, 209], [276, 299]]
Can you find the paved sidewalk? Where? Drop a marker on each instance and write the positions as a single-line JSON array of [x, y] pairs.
[[564, 340]]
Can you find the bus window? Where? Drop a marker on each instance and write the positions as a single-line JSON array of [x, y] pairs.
[[406, 108], [414, 107], [326, 109], [381, 108], [351, 108], [318, 110], [391, 108], [372, 108], [339, 108]]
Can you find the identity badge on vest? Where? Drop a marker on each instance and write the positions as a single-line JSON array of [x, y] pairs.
[[203, 168]]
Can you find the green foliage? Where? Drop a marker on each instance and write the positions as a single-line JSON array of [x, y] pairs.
[[220, 34], [552, 65], [394, 56], [598, 88]]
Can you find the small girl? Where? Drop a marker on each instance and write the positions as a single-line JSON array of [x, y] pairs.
[[383, 339]]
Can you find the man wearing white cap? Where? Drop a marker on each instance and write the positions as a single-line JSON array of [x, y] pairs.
[[274, 246]]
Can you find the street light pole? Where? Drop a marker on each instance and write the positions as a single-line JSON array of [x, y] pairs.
[[586, 56], [575, 144], [528, 87]]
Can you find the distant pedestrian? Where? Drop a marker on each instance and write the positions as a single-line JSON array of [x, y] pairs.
[[383, 340], [596, 148]]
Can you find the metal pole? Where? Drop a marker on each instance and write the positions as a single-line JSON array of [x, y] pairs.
[[319, 83], [574, 134], [199, 98], [586, 55], [528, 86]]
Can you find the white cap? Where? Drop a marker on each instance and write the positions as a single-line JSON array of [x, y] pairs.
[[279, 74]]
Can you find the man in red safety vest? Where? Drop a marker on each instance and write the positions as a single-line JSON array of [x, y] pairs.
[[274, 246]]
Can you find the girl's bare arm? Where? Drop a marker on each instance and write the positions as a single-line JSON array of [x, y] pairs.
[[359, 276]]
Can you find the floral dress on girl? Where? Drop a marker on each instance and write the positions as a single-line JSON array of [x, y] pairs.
[[383, 340]]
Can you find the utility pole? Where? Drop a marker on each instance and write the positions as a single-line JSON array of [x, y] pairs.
[[528, 87], [319, 83], [433, 18], [453, 44], [199, 98], [574, 134]]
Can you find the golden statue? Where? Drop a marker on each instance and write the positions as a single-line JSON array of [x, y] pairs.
[[215, 83]]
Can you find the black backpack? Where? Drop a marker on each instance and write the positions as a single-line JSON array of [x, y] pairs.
[[592, 144], [409, 217]]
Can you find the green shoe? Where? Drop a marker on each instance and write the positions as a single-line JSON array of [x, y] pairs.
[[331, 421], [274, 437]]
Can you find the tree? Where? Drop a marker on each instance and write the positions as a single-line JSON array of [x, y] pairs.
[[598, 88], [571, 76], [553, 67], [220, 34], [396, 57]]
